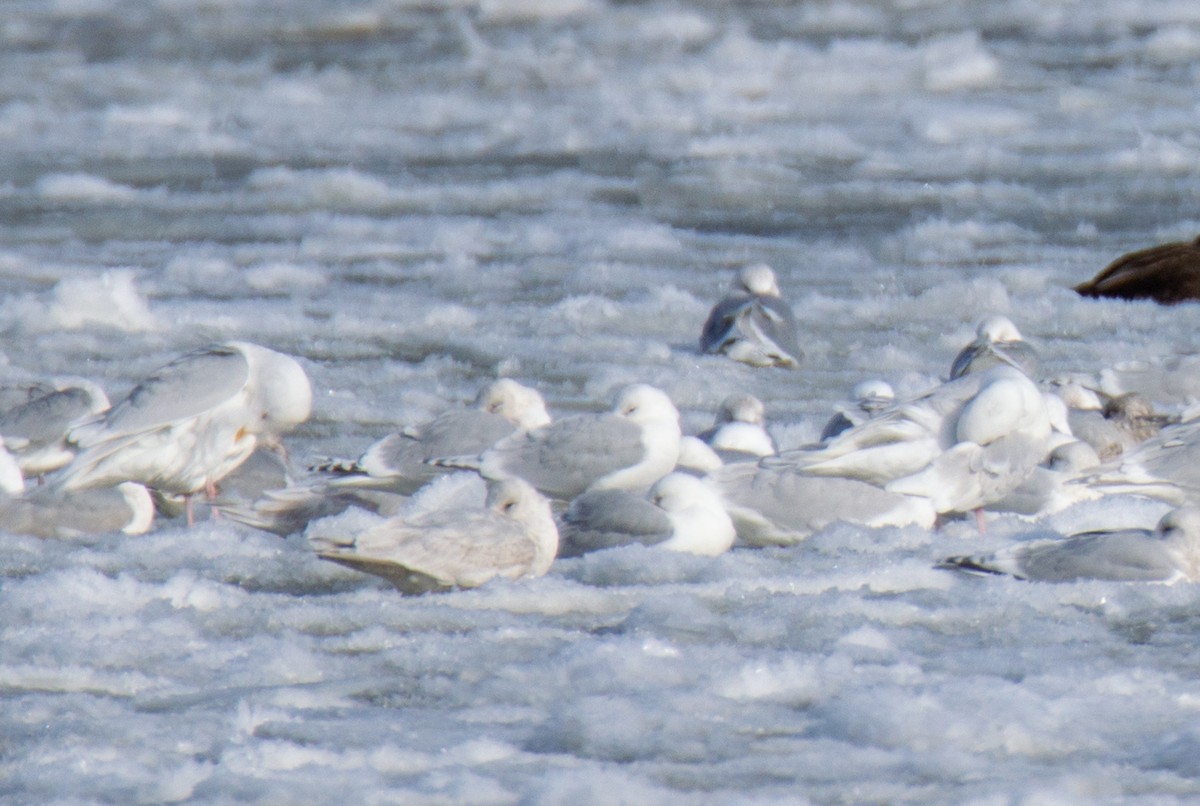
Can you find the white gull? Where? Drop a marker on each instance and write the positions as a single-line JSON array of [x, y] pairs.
[[192, 422]]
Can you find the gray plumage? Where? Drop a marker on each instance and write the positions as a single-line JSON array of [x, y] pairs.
[[1165, 467], [513, 537], [962, 445], [193, 421], [604, 519], [630, 447], [753, 324], [780, 505], [997, 342], [402, 462], [1170, 553], [35, 428], [51, 513], [680, 513], [869, 398]]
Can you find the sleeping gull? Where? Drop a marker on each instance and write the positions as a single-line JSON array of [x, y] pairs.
[[35, 428], [400, 462], [631, 447], [51, 512], [870, 397], [1123, 423], [192, 422], [1170, 553], [753, 324], [780, 506], [1054, 485], [1168, 273], [696, 456], [963, 445], [681, 513], [438, 550], [997, 341], [740, 428]]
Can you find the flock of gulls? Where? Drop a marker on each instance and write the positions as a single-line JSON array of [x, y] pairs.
[[501, 489]]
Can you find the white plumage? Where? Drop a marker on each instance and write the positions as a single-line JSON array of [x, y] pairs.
[[185, 427]]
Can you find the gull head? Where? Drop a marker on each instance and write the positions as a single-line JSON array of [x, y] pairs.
[[757, 279], [520, 405]]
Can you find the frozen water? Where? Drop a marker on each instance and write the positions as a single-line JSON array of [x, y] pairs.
[[413, 198]]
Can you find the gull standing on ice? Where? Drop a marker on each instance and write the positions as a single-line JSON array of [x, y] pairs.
[[681, 513], [1170, 553], [401, 462], [997, 342], [192, 422], [753, 324], [740, 428], [631, 447], [439, 550]]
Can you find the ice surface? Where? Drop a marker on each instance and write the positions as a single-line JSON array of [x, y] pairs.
[[414, 197]]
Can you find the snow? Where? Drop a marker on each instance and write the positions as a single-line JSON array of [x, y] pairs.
[[414, 197]]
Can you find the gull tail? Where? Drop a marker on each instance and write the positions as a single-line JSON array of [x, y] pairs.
[[969, 565]]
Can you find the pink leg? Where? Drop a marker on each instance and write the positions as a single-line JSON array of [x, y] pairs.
[[980, 522], [210, 489]]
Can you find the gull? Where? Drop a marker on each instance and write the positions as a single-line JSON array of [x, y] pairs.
[[1168, 273], [35, 426], [1053, 485], [681, 513], [1172, 380], [631, 447], [1165, 467], [963, 445], [870, 397], [696, 456], [781, 506], [53, 513], [192, 422], [997, 341], [752, 323], [1123, 423], [401, 462], [740, 428], [514, 536], [1170, 553]]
